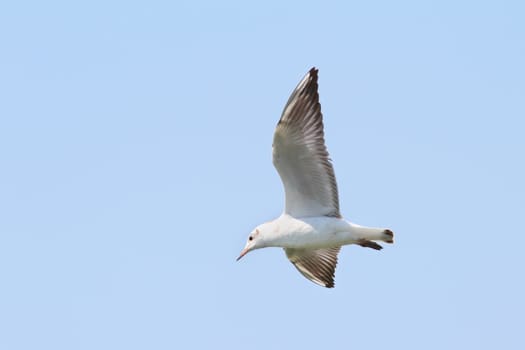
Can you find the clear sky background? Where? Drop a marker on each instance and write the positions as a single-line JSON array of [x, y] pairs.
[[135, 158]]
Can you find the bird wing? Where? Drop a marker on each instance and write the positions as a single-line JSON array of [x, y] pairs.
[[318, 265], [300, 155]]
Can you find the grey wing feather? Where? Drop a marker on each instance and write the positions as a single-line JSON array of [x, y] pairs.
[[318, 265], [300, 155]]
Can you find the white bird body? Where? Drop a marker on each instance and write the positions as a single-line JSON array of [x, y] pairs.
[[311, 230], [315, 232]]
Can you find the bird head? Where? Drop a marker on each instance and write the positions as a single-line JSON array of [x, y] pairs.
[[254, 241]]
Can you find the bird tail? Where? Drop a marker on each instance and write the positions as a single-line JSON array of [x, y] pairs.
[[386, 236]]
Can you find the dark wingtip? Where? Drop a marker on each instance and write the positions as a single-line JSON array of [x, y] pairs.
[[309, 88], [313, 75], [312, 85]]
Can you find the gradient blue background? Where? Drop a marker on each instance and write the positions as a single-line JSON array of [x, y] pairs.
[[135, 159]]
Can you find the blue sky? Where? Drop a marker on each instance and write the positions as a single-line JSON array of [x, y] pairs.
[[135, 152]]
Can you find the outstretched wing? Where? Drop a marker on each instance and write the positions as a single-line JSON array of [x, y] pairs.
[[300, 155], [318, 265]]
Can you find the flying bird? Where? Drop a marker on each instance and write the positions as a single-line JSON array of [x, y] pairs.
[[311, 229]]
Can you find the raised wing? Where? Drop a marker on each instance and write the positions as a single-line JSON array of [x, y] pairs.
[[300, 155], [318, 265]]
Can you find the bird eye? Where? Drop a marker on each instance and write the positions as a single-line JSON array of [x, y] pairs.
[[250, 238]]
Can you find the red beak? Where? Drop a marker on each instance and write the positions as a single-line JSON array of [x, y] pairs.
[[243, 253]]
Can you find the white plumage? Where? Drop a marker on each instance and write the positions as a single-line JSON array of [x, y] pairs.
[[311, 230]]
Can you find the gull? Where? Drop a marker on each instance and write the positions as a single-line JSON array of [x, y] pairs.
[[311, 229]]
